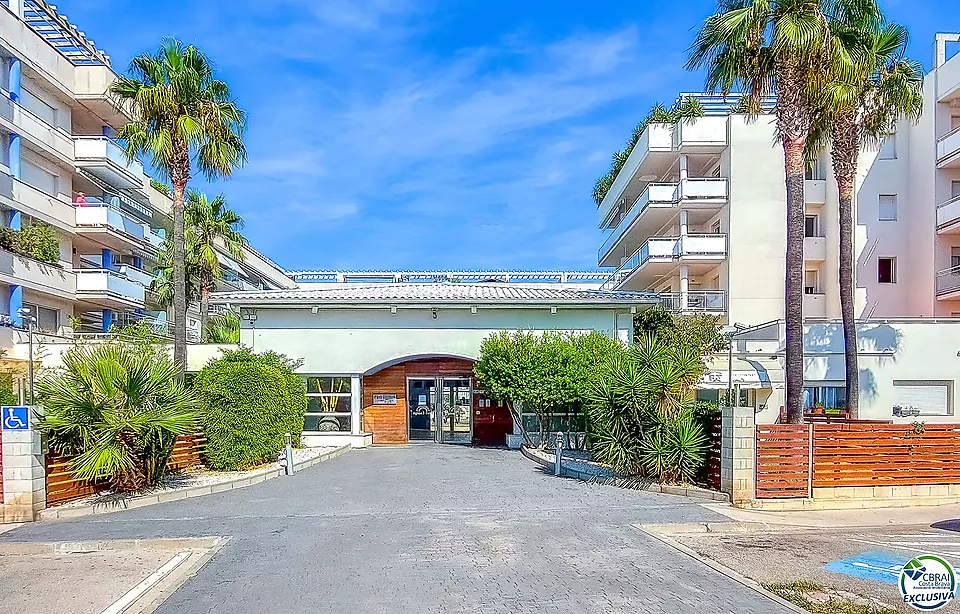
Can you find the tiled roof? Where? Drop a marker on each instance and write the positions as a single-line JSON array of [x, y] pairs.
[[481, 293]]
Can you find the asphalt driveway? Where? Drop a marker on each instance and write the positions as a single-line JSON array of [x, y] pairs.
[[428, 528]]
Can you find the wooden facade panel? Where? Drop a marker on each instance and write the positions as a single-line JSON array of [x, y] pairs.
[[388, 423]]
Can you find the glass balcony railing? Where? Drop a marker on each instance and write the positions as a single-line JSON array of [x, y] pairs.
[[948, 280], [99, 214], [671, 248], [696, 300], [948, 145], [948, 213], [102, 281]]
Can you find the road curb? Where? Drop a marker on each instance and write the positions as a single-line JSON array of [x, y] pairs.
[[723, 569], [692, 492], [58, 513]]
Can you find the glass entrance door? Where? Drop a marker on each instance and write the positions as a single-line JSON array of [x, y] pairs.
[[440, 409], [456, 411]]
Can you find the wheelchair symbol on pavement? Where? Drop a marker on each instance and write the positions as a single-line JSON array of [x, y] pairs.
[[16, 418]]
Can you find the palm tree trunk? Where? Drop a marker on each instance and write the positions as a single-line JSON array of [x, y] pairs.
[[179, 273], [793, 291], [205, 307], [845, 151]]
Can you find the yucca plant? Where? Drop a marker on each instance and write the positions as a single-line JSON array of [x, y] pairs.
[[676, 450], [223, 328], [117, 411]]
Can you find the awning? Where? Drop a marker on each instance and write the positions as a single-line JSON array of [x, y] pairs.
[[746, 374]]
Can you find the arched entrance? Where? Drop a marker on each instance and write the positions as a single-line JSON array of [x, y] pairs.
[[430, 398]]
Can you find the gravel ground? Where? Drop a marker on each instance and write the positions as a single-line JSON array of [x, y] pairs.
[[190, 479]]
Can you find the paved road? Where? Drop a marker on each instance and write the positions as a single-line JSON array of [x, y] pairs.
[[428, 528]]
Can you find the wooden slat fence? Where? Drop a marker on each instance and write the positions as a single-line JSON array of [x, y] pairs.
[[62, 487], [885, 455], [854, 455], [783, 459]]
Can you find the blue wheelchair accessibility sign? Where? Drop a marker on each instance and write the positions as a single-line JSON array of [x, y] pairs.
[[15, 418]]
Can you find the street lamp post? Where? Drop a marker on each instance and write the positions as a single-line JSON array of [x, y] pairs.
[[730, 332], [26, 315]]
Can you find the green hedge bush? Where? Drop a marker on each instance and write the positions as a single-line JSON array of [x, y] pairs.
[[248, 402]]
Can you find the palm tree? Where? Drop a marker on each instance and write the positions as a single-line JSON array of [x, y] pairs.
[[226, 329], [211, 225], [786, 46], [117, 409], [859, 113], [184, 118]]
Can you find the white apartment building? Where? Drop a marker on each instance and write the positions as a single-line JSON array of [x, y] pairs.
[[56, 129], [698, 214]]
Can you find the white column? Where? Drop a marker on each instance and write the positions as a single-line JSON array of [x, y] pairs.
[[683, 167], [356, 405], [684, 287], [683, 223], [16, 7]]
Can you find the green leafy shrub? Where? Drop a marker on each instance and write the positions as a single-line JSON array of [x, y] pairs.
[[641, 411], [118, 411], [9, 239], [40, 241], [223, 329], [248, 401]]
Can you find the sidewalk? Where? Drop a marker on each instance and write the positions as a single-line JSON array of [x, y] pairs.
[[884, 517]]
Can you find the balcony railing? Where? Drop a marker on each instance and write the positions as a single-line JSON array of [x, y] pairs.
[[102, 215], [948, 213], [103, 148], [948, 145], [948, 280], [673, 248], [102, 281], [697, 189], [138, 275], [697, 300]]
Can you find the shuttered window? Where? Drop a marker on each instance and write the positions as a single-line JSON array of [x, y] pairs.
[[932, 398]]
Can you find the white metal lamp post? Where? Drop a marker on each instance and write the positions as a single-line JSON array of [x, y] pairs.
[[730, 332], [26, 315]]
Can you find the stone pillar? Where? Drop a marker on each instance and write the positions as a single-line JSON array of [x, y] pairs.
[[24, 479], [738, 454]]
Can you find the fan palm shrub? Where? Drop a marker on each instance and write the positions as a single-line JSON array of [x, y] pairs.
[[224, 328], [117, 410], [641, 412], [184, 119]]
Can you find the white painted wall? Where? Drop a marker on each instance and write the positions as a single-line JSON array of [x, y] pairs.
[[345, 341], [756, 255]]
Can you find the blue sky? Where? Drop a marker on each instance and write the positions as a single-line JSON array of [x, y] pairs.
[[405, 134]]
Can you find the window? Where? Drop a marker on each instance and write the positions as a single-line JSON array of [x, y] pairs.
[[954, 257], [828, 397], [811, 282], [38, 107], [811, 226], [955, 122], [815, 171], [887, 270], [888, 207], [888, 151], [48, 320], [328, 404], [923, 397], [955, 189]]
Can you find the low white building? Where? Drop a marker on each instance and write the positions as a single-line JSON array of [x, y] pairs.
[[380, 360], [908, 368]]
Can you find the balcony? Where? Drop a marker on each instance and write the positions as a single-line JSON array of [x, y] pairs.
[[948, 283], [138, 275], [814, 305], [108, 289], [815, 191], [110, 228], [697, 301], [948, 150], [655, 142], [706, 134], [103, 158], [659, 202], [37, 276], [660, 255], [42, 206], [948, 217], [37, 131], [814, 249]]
